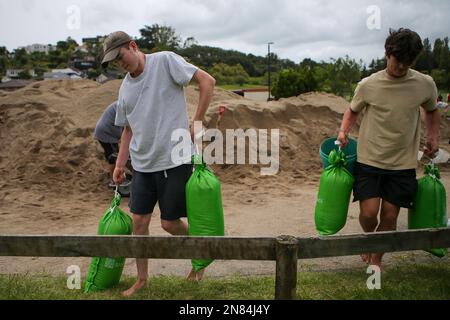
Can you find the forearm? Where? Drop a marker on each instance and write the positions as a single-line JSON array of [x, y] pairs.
[[348, 121], [432, 123], [206, 87], [124, 150]]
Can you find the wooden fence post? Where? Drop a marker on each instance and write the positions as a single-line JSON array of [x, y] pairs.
[[286, 268]]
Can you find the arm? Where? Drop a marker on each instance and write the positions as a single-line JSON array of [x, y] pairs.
[[124, 152], [432, 123], [206, 85], [349, 120]]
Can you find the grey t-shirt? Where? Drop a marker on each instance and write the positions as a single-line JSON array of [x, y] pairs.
[[153, 105], [105, 130]]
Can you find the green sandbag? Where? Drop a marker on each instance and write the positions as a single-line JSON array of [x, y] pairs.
[[333, 200], [204, 207], [430, 209], [105, 273]]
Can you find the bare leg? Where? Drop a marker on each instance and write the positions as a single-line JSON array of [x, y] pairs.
[[140, 228], [180, 228], [388, 222], [175, 228], [195, 276], [368, 219]]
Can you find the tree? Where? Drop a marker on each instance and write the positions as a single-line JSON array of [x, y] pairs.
[[440, 77], [240, 76], [95, 49], [425, 60], [376, 65], [4, 60], [21, 58], [444, 57], [308, 78], [308, 63], [291, 82], [158, 38], [438, 44], [25, 74], [342, 74], [226, 74], [189, 42], [255, 66], [69, 44]]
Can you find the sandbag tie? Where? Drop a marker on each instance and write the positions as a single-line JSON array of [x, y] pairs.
[[432, 171], [337, 159]]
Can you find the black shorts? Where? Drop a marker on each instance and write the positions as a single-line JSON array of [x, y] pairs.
[[398, 187], [165, 187], [110, 150]]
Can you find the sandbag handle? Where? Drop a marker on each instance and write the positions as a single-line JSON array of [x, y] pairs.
[[197, 158], [117, 198], [338, 143], [431, 169]]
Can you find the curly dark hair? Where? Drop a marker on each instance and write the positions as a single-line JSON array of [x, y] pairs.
[[404, 44]]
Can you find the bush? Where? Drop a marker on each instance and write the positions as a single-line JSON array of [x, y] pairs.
[[292, 82], [441, 78], [226, 74]]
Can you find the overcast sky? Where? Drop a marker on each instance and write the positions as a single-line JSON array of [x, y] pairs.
[[317, 29]]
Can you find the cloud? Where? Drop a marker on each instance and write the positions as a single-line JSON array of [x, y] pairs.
[[315, 29]]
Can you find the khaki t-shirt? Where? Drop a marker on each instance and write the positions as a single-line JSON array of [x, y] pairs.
[[389, 136]]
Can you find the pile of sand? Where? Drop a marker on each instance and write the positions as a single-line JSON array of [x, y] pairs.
[[320, 99], [44, 149], [302, 126], [47, 134]]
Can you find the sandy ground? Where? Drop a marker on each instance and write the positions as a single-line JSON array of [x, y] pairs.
[[53, 180], [252, 213]]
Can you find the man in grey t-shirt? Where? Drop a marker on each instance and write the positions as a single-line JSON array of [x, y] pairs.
[[151, 107]]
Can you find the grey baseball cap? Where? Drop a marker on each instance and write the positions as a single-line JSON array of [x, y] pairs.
[[112, 44]]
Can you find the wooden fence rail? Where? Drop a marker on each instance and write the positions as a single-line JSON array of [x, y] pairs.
[[285, 250]]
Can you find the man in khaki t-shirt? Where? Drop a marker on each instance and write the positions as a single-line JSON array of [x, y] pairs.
[[389, 136]]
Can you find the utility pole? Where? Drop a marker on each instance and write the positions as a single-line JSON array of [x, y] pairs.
[[268, 69]]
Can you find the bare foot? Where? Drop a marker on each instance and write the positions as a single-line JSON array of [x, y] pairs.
[[196, 276], [376, 261], [136, 287], [366, 257]]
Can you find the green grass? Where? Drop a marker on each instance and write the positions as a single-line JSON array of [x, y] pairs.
[[420, 282]]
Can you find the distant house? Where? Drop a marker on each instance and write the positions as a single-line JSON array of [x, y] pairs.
[[14, 85], [82, 49], [39, 48], [98, 39], [84, 64], [62, 74], [14, 73]]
